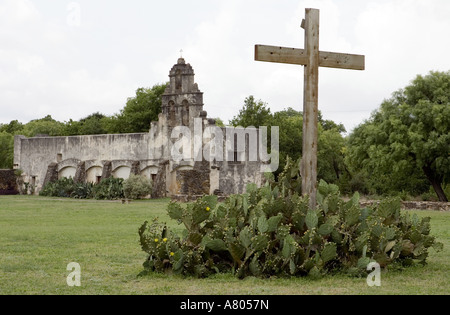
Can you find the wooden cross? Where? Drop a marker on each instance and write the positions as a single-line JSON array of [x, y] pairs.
[[312, 59]]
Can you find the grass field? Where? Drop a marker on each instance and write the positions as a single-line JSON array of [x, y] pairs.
[[39, 237]]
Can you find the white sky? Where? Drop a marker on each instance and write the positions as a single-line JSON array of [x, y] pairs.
[[73, 58]]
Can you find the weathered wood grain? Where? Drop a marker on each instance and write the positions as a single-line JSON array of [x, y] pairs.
[[298, 57]]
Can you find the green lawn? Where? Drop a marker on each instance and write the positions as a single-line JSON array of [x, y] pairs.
[[40, 236]]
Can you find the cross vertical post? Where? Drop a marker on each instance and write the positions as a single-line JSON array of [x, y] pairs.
[[312, 58], [310, 106]]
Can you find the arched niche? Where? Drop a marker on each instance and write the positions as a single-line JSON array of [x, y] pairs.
[[184, 168], [94, 174], [67, 172], [122, 172]]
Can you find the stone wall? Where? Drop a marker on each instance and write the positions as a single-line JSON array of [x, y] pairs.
[[52, 174], [8, 184], [107, 169], [414, 205], [234, 177], [80, 174], [35, 155], [195, 182], [159, 184]]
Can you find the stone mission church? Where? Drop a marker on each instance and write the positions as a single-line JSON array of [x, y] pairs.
[[94, 157]]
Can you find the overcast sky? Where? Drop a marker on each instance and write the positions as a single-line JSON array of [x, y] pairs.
[[73, 58]]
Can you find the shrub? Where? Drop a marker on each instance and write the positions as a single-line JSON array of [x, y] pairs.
[[137, 187], [82, 191], [272, 231], [108, 189], [61, 188], [66, 187]]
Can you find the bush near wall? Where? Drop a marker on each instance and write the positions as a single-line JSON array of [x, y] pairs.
[[8, 184], [107, 189], [271, 231], [137, 187]]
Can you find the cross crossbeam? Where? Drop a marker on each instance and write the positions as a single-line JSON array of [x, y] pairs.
[[311, 58], [298, 57]]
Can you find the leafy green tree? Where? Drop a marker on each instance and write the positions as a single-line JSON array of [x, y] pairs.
[[290, 122], [329, 124], [90, 125], [330, 155], [331, 146], [407, 140], [6, 150], [14, 127], [72, 128], [7, 132], [289, 112], [46, 125], [138, 113], [254, 113]]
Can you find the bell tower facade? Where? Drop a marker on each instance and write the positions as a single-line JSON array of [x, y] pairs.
[[182, 101]]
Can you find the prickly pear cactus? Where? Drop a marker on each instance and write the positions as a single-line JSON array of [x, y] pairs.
[[271, 231]]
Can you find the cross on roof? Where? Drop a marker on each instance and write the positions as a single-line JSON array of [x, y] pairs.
[[312, 59]]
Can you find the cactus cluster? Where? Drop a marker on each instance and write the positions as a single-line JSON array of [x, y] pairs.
[[272, 231]]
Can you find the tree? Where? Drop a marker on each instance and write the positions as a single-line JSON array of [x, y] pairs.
[[329, 124], [13, 127], [290, 122], [6, 150], [7, 132], [330, 147], [407, 140], [139, 111], [46, 125], [330, 154], [254, 113], [90, 125]]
